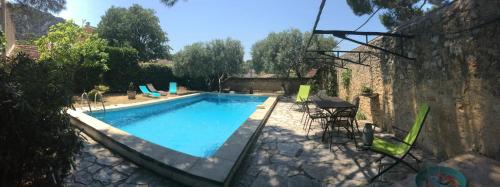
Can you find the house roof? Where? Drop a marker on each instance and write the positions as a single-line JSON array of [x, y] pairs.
[[29, 50]]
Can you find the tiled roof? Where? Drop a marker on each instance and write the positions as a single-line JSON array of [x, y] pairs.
[[30, 50]]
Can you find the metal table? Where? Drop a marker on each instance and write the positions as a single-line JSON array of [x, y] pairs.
[[333, 105], [329, 103]]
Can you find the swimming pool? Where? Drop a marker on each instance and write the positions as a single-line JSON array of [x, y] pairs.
[[197, 125]]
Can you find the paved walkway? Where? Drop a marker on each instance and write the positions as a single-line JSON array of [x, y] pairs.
[[282, 156]]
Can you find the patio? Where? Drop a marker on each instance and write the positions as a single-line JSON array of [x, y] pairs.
[[281, 156]]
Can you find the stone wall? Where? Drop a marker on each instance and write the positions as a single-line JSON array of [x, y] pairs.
[[456, 71], [264, 84]]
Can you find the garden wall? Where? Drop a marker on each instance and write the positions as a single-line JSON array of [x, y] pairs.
[[264, 84], [456, 71]]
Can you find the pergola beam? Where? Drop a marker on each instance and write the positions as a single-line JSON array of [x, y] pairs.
[[344, 33], [345, 59], [373, 46], [325, 60]]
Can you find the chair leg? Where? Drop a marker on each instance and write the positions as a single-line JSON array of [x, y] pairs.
[[325, 131], [409, 165], [309, 128], [383, 171], [354, 136], [401, 160], [414, 157], [357, 125], [308, 118], [303, 114]]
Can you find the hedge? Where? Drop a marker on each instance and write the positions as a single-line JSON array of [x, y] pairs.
[[36, 139], [123, 68]]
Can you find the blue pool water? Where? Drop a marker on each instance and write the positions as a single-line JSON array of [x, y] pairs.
[[196, 125]]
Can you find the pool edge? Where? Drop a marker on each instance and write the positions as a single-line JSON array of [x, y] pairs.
[[217, 170]]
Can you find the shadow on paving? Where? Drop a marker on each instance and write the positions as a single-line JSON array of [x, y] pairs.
[[282, 156]]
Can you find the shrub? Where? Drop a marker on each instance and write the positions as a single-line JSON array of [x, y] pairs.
[[346, 78], [123, 68], [157, 74], [86, 78], [366, 89], [36, 139]]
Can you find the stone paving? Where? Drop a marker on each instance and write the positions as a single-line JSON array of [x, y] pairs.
[[282, 156]]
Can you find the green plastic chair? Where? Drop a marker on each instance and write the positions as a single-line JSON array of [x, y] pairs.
[[399, 149], [302, 95]]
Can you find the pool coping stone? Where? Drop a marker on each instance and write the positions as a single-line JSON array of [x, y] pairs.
[[216, 170]]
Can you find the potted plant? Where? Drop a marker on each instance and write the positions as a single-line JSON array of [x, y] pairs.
[[366, 91], [131, 91]]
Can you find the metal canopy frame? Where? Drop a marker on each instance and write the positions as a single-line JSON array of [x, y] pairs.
[[336, 54], [345, 36], [324, 59]]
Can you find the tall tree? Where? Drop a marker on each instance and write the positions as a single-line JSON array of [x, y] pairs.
[[281, 53], [212, 61], [226, 58], [396, 11], [135, 27]]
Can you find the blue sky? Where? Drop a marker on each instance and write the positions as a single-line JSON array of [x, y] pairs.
[[249, 21]]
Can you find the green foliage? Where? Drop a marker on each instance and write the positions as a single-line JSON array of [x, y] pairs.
[[131, 87], [213, 61], [135, 27], [169, 3], [3, 41], [396, 11], [81, 53], [366, 89], [281, 53], [123, 66], [326, 79], [157, 74], [346, 78], [36, 139], [360, 116], [55, 6], [68, 43]]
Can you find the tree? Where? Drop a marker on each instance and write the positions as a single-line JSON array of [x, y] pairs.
[[169, 3], [226, 58], [54, 6], [76, 50], [281, 53], [396, 11], [215, 60], [135, 27]]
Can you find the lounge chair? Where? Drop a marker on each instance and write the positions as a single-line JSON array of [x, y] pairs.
[[172, 88], [146, 92], [153, 89], [399, 149], [302, 95]]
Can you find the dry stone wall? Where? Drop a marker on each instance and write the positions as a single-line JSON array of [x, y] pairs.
[[456, 71], [264, 84]]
